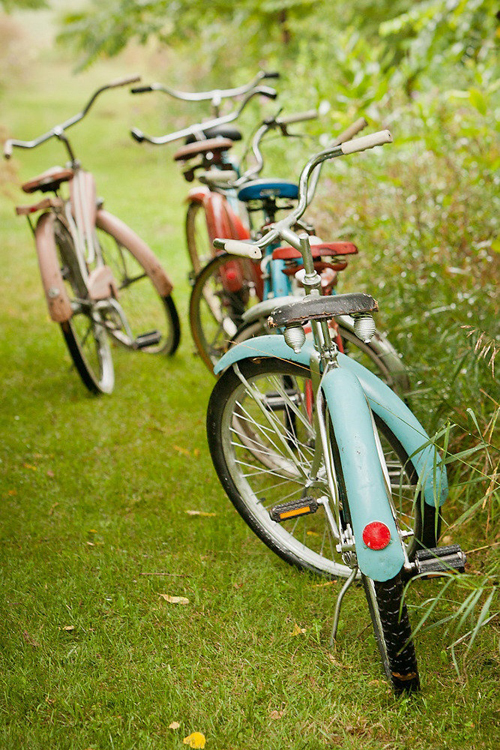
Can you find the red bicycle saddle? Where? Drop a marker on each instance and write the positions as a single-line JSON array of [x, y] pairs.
[[318, 251]]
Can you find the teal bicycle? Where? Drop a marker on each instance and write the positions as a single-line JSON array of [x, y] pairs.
[[323, 460]]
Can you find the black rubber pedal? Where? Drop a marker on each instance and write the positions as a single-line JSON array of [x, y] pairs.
[[294, 509], [147, 339], [440, 560]]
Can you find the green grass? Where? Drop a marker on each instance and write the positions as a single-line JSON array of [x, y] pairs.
[[94, 527]]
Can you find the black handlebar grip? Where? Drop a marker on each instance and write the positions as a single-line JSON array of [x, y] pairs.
[[268, 92], [140, 89], [137, 135], [271, 74]]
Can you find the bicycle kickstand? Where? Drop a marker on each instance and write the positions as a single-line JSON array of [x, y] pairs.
[[338, 605]]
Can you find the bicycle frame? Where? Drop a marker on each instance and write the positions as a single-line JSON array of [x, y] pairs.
[[344, 389]]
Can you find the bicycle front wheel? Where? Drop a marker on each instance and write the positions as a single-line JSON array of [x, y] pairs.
[[143, 319], [199, 245], [85, 333], [392, 630], [261, 435]]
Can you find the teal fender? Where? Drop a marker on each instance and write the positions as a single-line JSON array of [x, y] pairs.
[[362, 471], [383, 402]]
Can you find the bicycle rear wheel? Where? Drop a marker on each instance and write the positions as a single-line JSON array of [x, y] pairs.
[[392, 630], [260, 428], [215, 311], [85, 332], [143, 320]]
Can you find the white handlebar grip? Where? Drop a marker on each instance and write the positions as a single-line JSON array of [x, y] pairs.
[[7, 149], [311, 114], [366, 141], [235, 247]]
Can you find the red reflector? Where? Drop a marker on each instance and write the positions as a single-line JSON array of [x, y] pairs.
[[376, 535]]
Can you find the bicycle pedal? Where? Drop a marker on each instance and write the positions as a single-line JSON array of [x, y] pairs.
[[439, 560], [147, 339], [294, 509]]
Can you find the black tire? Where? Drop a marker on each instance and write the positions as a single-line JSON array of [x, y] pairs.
[[258, 471], [199, 245], [215, 314], [85, 333], [392, 630], [145, 311]]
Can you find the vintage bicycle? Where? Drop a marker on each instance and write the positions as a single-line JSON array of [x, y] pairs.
[[101, 280], [212, 207], [326, 464], [232, 298]]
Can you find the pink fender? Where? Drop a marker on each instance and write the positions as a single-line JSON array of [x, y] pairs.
[[222, 221], [142, 252], [52, 280]]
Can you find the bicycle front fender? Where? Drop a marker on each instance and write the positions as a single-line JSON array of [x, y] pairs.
[[367, 492], [383, 401], [53, 284], [139, 249]]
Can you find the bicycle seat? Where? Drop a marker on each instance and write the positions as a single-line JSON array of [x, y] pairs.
[[219, 131], [49, 180], [261, 189], [213, 145], [321, 308], [318, 251]]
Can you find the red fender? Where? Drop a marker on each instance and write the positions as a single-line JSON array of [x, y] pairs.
[[222, 222]]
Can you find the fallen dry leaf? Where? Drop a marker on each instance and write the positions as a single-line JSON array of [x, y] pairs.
[[68, 628], [12, 492], [199, 513], [196, 739], [181, 450], [312, 533], [321, 585], [276, 714], [174, 599], [29, 466], [50, 473], [297, 631], [174, 725], [30, 640]]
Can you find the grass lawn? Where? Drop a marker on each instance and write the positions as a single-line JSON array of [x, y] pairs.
[[95, 530]]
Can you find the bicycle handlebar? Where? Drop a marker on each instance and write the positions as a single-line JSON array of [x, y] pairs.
[[198, 129], [58, 130], [282, 228], [215, 96], [311, 114]]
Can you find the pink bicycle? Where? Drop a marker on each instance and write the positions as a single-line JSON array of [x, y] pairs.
[[100, 279]]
